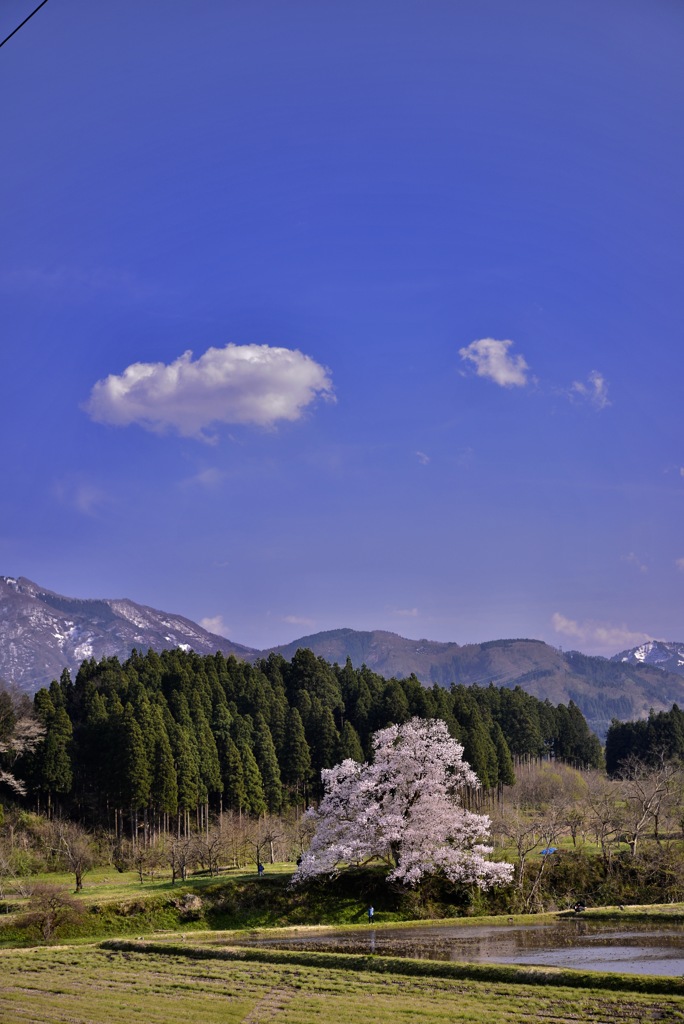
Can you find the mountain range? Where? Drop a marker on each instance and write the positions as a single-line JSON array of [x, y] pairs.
[[42, 632]]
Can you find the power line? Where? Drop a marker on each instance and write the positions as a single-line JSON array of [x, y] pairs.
[[7, 38]]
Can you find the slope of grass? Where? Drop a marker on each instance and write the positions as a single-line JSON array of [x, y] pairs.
[[119, 905]]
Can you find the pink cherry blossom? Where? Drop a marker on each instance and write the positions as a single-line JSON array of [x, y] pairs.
[[405, 808]]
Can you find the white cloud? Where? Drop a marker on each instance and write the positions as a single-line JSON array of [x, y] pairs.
[[679, 562], [681, 470], [249, 384], [599, 635], [409, 613], [423, 458], [298, 620], [215, 624], [85, 497], [594, 391], [635, 561], [491, 359], [204, 478]]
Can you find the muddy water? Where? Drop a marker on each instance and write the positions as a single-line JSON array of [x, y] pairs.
[[644, 948]]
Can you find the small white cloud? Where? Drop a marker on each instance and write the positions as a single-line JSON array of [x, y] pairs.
[[491, 359], [215, 624], [85, 497], [635, 561], [599, 635], [594, 391], [205, 478], [409, 613], [298, 620], [681, 470], [423, 458], [248, 384], [679, 562]]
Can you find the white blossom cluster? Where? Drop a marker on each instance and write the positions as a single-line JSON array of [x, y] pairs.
[[404, 807]]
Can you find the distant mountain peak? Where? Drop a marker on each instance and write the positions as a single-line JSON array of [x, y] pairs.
[[42, 632], [665, 654]]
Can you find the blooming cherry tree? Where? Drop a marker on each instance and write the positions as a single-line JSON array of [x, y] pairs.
[[404, 807]]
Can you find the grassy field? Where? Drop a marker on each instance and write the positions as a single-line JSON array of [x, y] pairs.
[[117, 904], [106, 883], [92, 985], [169, 981]]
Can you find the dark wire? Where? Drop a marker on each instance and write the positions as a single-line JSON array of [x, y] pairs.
[[7, 38]]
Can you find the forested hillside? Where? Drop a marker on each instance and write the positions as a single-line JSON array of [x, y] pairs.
[[658, 738], [602, 689], [169, 739]]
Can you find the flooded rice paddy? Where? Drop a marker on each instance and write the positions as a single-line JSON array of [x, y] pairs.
[[633, 948]]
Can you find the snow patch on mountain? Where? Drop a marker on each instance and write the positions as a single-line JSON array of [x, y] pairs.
[[42, 632], [664, 654]]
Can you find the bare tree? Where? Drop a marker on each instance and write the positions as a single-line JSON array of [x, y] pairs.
[[603, 813], [553, 824], [236, 829], [181, 855], [524, 831], [50, 909], [147, 859], [299, 830], [644, 788], [265, 834], [211, 847], [72, 846]]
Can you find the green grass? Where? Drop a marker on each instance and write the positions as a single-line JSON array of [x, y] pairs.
[[171, 982], [647, 912], [91, 985], [293, 931], [509, 974], [106, 883], [118, 905]]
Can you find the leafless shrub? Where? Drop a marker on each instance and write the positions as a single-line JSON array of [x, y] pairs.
[[51, 909]]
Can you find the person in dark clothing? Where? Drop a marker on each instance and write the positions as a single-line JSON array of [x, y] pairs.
[[371, 914]]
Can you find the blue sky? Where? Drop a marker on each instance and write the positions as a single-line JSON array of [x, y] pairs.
[[427, 259]]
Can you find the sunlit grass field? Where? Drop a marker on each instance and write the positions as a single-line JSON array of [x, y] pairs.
[[89, 985], [189, 974], [86, 984], [106, 883]]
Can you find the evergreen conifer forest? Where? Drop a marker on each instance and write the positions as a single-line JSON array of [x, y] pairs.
[[658, 738], [164, 741]]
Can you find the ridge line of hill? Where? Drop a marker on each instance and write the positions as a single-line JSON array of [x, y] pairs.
[[43, 632]]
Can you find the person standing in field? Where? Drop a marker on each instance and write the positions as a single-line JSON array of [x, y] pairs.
[[371, 914]]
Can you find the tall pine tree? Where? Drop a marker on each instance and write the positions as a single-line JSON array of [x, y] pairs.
[[265, 752]]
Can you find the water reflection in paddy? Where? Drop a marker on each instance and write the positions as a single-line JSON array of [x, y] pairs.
[[634, 948]]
